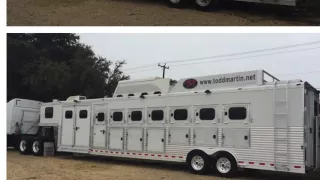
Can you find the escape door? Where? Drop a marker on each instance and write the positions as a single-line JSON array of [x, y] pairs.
[[99, 125], [205, 129], [236, 120]]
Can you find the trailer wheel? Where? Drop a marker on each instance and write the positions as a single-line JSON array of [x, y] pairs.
[[225, 165], [24, 146], [37, 147], [205, 5], [199, 162], [178, 3]]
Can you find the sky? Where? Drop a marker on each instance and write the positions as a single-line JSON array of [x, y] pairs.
[[300, 61]]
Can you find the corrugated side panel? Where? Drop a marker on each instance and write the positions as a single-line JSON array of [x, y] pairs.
[[260, 154]]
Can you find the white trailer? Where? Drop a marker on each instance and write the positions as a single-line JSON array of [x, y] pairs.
[[213, 4], [225, 122], [22, 120]]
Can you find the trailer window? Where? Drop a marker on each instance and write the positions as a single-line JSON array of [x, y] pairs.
[[68, 114], [157, 115], [207, 114], [100, 117], [117, 116], [136, 115], [48, 112], [180, 114], [83, 114], [237, 113]]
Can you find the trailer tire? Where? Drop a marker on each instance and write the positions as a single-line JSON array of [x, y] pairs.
[[199, 162], [178, 3], [206, 5], [25, 146], [225, 164], [37, 147]]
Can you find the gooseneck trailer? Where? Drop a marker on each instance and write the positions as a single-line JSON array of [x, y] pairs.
[[225, 122]]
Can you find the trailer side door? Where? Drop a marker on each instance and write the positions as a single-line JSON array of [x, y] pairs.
[[67, 136], [82, 128], [99, 125]]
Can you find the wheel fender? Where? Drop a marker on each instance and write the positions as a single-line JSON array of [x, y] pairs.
[[213, 152]]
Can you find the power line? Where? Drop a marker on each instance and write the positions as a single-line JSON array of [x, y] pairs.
[[247, 52], [232, 59], [226, 55]]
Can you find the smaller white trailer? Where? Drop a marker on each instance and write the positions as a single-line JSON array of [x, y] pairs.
[[224, 122], [23, 117]]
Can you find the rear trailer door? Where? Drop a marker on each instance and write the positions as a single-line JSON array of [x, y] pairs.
[[311, 131]]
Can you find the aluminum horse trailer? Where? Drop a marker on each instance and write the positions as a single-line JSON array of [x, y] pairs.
[[225, 122]]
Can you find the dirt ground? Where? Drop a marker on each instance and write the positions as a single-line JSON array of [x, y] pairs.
[[136, 13], [68, 167]]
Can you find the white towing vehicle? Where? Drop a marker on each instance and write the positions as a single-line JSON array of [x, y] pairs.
[[23, 117], [225, 122]]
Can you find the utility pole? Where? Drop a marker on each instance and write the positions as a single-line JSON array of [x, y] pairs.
[[164, 67]]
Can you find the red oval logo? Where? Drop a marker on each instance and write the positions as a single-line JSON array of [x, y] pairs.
[[190, 83]]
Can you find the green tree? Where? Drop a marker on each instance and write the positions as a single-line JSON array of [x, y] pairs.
[[46, 66]]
